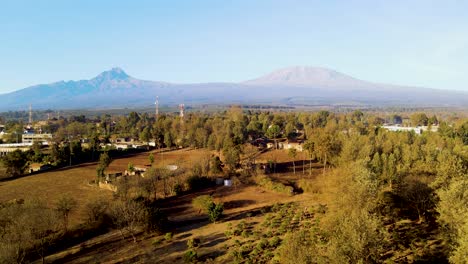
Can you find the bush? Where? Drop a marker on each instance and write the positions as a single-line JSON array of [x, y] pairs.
[[308, 186], [190, 256], [177, 189], [157, 241], [274, 242], [215, 211], [96, 210], [202, 203], [156, 220], [193, 243], [168, 236], [269, 184]]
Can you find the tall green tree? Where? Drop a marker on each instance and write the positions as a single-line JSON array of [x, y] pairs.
[[15, 162], [104, 161]]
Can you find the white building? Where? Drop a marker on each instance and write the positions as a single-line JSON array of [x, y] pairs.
[[32, 137]]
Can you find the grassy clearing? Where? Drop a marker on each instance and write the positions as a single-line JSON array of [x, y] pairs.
[[74, 182], [50, 186]]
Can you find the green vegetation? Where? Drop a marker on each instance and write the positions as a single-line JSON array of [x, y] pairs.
[[370, 195], [267, 183], [205, 203]]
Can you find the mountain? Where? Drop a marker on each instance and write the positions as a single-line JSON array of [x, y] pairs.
[[307, 77], [290, 86]]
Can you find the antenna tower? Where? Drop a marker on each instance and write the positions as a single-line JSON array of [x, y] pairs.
[[30, 115], [157, 107], [181, 110]]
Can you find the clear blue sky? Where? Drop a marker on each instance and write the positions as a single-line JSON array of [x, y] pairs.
[[422, 43]]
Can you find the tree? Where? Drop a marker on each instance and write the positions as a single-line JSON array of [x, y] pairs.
[[204, 203], [273, 132], [130, 167], [292, 153], [145, 135], [232, 158], [216, 166], [104, 161], [168, 141], [36, 151], [310, 147], [65, 205], [15, 162], [151, 158], [419, 119], [128, 217], [396, 119], [96, 210], [453, 215], [326, 146], [94, 145], [25, 227], [419, 196]]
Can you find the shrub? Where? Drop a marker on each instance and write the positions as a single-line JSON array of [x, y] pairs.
[[205, 203], [96, 210], [193, 243], [269, 184], [274, 242], [202, 203], [228, 233], [308, 186], [156, 220], [157, 241], [168, 236], [215, 211], [190, 256], [177, 189]]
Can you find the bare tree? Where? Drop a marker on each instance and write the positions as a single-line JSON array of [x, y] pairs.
[[128, 217], [65, 205]]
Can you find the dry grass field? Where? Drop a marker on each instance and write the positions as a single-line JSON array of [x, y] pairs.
[[50, 186], [240, 205]]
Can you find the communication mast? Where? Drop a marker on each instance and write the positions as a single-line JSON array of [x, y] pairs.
[[30, 117], [30, 114], [157, 107], [181, 110]]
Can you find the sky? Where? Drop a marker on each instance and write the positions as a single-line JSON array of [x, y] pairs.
[[416, 43]]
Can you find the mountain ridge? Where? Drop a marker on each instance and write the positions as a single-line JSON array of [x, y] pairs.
[[292, 85]]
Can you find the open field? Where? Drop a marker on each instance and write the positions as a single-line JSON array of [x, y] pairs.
[[183, 158], [50, 186]]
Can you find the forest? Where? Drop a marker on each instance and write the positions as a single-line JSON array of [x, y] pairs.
[[383, 195]]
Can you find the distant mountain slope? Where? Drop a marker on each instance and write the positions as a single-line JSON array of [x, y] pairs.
[[308, 76], [291, 86]]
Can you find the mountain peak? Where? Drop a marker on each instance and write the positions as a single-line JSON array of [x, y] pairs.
[[305, 76], [115, 73]]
